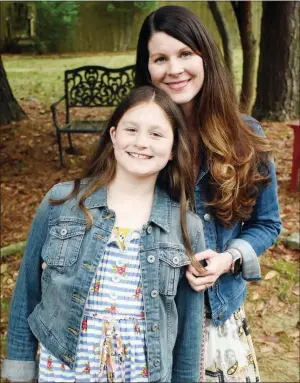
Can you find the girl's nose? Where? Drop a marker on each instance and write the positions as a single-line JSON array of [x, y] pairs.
[[141, 141], [175, 67]]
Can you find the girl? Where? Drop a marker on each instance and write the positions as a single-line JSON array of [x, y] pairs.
[[234, 178], [112, 303]]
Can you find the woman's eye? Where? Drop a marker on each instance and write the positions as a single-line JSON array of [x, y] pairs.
[[186, 54], [160, 59]]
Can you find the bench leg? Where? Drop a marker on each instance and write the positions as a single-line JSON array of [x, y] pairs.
[[71, 149], [59, 148]]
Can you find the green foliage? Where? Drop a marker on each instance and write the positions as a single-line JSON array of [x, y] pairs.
[[131, 6], [55, 21]]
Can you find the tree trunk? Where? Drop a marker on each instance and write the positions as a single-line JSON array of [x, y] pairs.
[[10, 110], [223, 31], [278, 80], [242, 11]]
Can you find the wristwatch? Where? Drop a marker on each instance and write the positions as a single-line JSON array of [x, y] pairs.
[[236, 260]]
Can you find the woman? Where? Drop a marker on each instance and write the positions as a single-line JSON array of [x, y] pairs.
[[235, 180]]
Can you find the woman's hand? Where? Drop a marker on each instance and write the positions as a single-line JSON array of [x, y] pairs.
[[217, 264]]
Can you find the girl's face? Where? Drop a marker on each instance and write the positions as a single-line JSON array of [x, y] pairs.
[[143, 141], [175, 68]]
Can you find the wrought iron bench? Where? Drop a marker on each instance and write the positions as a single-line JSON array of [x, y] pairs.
[[90, 87]]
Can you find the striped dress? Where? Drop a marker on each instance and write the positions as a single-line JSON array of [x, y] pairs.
[[112, 346]]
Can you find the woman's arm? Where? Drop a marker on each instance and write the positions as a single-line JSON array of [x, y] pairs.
[[21, 345]]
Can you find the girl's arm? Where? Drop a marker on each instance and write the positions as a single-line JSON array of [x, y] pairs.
[[21, 345], [187, 351]]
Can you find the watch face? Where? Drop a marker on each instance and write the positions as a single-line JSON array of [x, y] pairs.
[[237, 266]]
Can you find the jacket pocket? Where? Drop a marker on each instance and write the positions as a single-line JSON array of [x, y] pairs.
[[63, 244], [171, 262]]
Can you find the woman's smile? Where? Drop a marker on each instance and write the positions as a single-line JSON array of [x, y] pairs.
[[175, 68]]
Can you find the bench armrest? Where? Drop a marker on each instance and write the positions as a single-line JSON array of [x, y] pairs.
[[53, 110]]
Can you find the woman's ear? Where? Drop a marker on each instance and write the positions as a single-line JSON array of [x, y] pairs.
[[112, 132]]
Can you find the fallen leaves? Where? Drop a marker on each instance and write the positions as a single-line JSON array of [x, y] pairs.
[[271, 274]]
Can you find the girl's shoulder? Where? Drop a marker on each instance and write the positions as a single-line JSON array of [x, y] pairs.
[[193, 220], [63, 189]]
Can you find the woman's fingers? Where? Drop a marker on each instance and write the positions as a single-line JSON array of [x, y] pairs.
[[199, 283], [206, 255]]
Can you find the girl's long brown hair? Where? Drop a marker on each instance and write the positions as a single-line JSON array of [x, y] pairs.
[[177, 176], [236, 156]]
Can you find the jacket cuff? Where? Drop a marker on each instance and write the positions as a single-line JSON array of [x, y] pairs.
[[250, 263], [19, 371]]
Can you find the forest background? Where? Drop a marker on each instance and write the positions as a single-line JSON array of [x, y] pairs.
[[39, 40]]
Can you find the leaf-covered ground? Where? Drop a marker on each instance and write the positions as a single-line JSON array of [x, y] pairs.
[[30, 167]]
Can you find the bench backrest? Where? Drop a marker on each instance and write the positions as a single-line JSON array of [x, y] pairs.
[[97, 86]]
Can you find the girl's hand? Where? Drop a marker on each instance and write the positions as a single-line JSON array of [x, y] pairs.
[[217, 264]]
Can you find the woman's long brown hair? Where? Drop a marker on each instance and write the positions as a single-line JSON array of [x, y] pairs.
[[237, 157], [177, 176]]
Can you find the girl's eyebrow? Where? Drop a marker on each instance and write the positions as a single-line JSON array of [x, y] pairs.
[[131, 123]]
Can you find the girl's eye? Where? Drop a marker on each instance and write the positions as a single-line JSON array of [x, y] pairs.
[[130, 129], [160, 59], [186, 54], [156, 134]]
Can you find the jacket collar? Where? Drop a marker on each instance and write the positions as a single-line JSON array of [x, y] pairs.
[[160, 212]]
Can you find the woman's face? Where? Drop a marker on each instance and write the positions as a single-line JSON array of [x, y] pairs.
[[175, 68]]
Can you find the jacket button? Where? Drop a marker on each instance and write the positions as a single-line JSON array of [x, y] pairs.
[[156, 362], [149, 229], [155, 327], [206, 217], [151, 259], [176, 260], [154, 293], [63, 231]]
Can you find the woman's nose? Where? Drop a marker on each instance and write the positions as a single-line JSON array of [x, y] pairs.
[[175, 67]]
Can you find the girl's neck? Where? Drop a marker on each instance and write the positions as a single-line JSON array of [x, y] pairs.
[[131, 201]]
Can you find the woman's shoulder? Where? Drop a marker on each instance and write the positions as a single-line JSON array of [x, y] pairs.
[[253, 124]]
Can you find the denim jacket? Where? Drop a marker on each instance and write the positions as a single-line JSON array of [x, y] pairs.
[[251, 238], [48, 305]]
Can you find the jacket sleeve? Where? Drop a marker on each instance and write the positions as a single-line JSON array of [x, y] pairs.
[[21, 345], [187, 352], [261, 230]]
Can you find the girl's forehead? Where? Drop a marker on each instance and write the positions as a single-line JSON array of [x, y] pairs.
[[146, 112]]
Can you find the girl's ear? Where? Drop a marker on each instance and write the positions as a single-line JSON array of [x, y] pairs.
[[171, 156], [112, 132]]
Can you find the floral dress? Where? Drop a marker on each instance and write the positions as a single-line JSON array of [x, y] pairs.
[[229, 353], [112, 346]]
